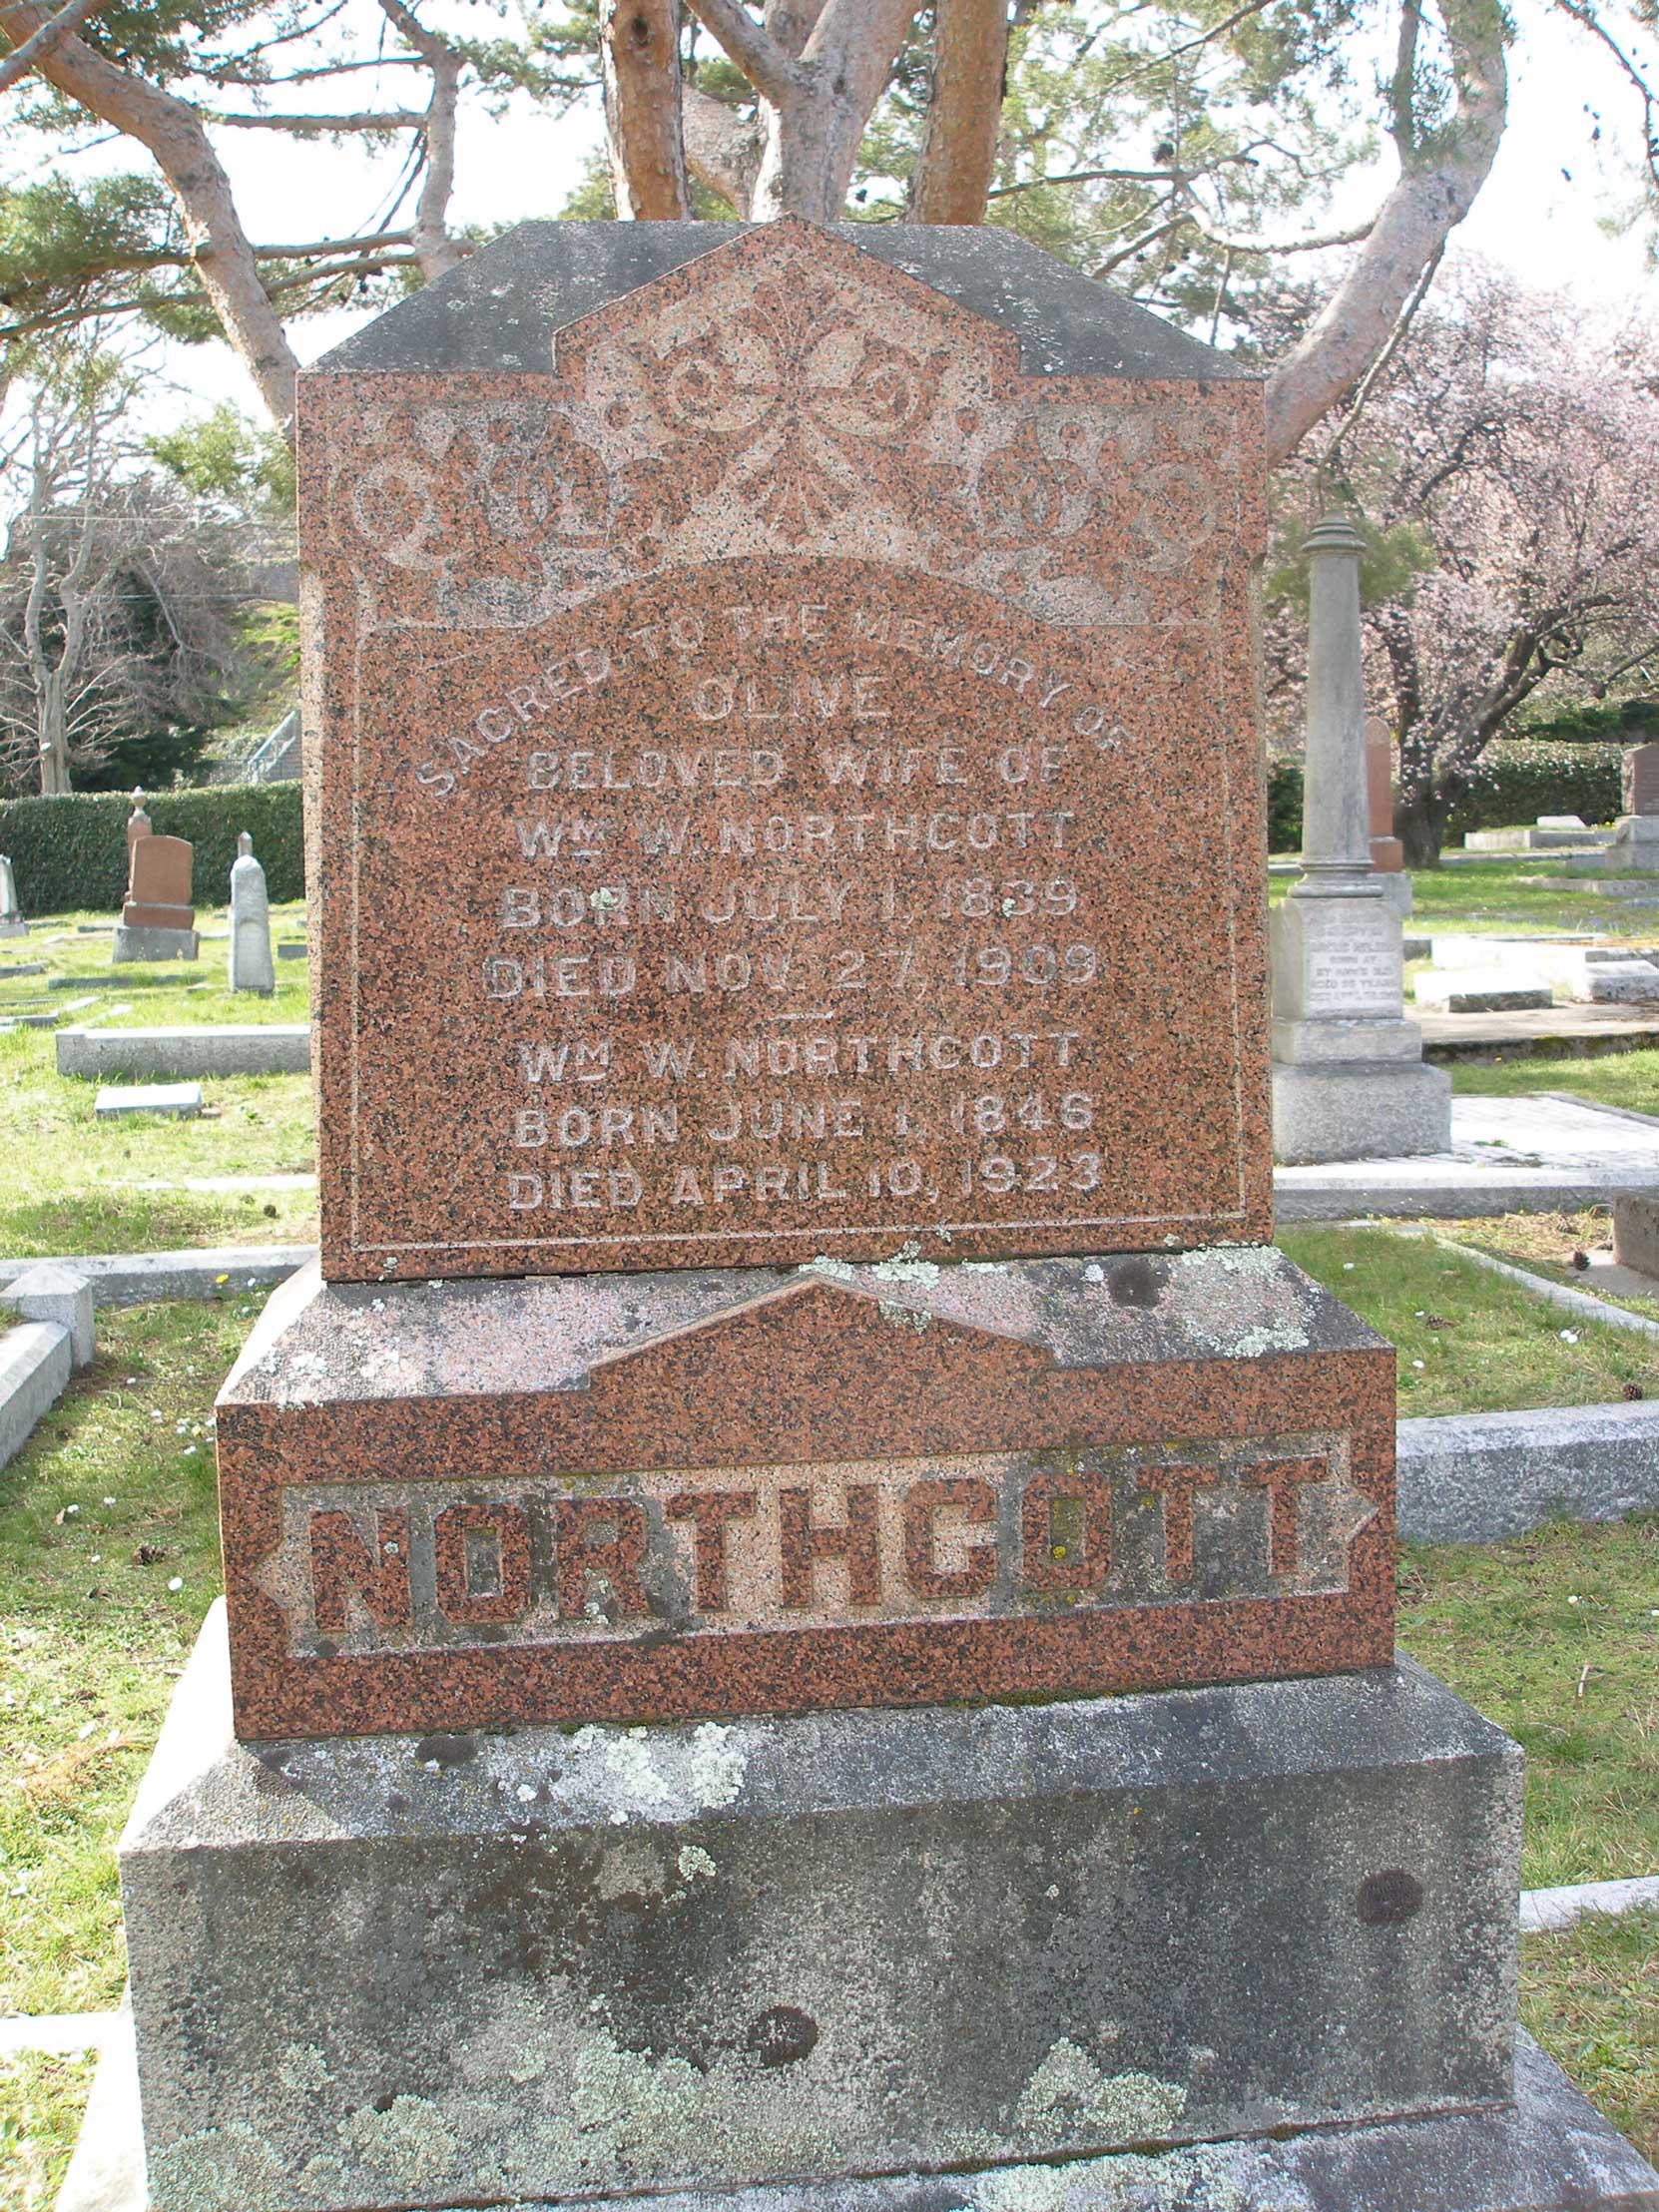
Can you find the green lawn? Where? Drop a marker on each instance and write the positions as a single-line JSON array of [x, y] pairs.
[[1506, 895], [1629, 1080], [1469, 1342], [69, 1183], [1591, 1998]]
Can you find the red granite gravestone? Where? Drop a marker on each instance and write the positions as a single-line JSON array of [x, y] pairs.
[[159, 884], [1640, 779], [1388, 855], [789, 785], [786, 788]]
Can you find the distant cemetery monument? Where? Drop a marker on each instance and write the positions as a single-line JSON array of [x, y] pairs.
[[810, 1601], [1349, 1078], [156, 922], [12, 923], [252, 966]]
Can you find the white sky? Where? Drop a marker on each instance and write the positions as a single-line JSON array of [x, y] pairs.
[[1530, 217]]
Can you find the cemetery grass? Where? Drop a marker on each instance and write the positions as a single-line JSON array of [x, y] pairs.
[[87, 1678], [1495, 895], [70, 1183], [1544, 1245], [1591, 1998], [1467, 1340], [1628, 1080]]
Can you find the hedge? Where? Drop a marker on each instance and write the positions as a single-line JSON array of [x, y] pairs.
[[72, 852], [1513, 783]]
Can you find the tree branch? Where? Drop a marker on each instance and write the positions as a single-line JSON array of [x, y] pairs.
[[722, 150], [174, 133], [957, 159], [775, 75], [1436, 186], [639, 57], [39, 44], [323, 126], [436, 250]]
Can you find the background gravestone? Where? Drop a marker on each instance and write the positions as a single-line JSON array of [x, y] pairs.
[[1635, 844], [414, 1940], [158, 921], [252, 968], [12, 923]]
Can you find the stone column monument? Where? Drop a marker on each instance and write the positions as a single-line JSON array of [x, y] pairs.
[[810, 1603], [1349, 1078], [252, 968]]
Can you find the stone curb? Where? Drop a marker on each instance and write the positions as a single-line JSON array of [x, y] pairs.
[[1474, 1479], [36, 1361], [1318, 1194], [136, 1277], [180, 1055], [1563, 1295]]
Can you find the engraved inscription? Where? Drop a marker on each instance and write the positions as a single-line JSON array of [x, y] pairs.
[[376, 1567]]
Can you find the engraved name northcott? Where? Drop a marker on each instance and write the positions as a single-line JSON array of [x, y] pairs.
[[788, 785]]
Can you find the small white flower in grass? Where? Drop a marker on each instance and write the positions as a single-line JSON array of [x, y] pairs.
[[109, 1501], [131, 1379], [86, 1732], [98, 1559], [69, 1510], [187, 1452], [1569, 1335], [1348, 1267], [158, 1417], [1416, 1363], [177, 1582], [1572, 1601]]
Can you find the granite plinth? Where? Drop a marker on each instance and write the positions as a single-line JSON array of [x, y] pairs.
[[142, 942], [633, 1497], [772, 807], [415, 1971], [13, 925], [1377, 1110]]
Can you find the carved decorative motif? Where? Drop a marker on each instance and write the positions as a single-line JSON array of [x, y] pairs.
[[803, 413]]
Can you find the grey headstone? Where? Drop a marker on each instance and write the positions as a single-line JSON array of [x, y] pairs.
[[251, 968]]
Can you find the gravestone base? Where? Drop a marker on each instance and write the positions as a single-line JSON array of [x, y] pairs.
[[1635, 847], [1397, 894], [507, 1968], [1359, 1110], [13, 925], [142, 941], [1550, 2151]]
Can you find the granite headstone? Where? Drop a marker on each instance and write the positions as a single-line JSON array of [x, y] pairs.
[[759, 716]]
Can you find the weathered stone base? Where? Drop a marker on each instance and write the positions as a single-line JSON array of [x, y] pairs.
[[1386, 1110], [13, 925], [418, 1972], [1548, 2152], [133, 941]]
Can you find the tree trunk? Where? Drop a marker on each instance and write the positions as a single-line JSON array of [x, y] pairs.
[[639, 57], [957, 161], [54, 739], [1421, 819]]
